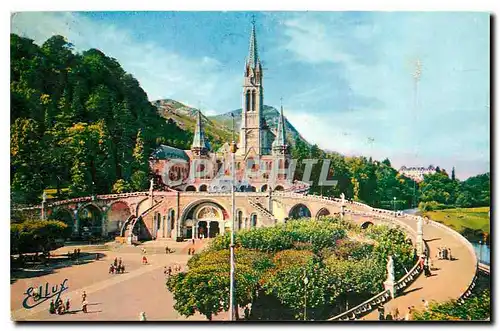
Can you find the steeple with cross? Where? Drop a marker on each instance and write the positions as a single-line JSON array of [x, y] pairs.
[[252, 135]]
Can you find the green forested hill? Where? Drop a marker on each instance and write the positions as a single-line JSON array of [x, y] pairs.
[[78, 120]]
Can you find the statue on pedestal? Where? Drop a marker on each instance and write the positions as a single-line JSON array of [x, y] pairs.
[[44, 197], [151, 184], [390, 269], [342, 196]]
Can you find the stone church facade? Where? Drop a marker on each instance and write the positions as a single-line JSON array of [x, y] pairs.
[[262, 157]]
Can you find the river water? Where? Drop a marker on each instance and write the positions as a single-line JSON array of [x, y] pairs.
[[482, 252]]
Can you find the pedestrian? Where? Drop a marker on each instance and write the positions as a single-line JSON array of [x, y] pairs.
[[142, 316], [445, 253], [165, 270], [84, 296], [120, 261], [84, 306], [189, 251], [96, 256], [166, 249], [60, 310], [144, 260], [52, 307], [123, 268], [75, 254], [192, 251], [421, 261], [388, 317], [115, 262], [67, 304], [426, 304], [381, 312], [78, 253], [427, 271], [192, 240], [111, 269], [396, 314], [449, 254], [169, 271], [408, 314]]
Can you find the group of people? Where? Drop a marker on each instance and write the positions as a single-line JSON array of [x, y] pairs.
[[75, 255], [167, 271], [59, 307], [117, 267], [191, 251], [444, 253], [168, 250], [394, 315]]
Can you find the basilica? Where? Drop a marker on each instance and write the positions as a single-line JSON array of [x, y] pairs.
[[262, 156]]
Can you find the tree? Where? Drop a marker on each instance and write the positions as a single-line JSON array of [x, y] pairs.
[[205, 287], [121, 186], [475, 308], [37, 235]]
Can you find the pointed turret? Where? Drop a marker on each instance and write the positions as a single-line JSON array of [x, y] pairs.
[[200, 144], [253, 55], [280, 146]]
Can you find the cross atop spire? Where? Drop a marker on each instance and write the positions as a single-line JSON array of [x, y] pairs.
[[253, 56]]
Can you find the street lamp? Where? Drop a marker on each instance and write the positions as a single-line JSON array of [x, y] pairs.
[[394, 205], [306, 280], [232, 314], [480, 250]]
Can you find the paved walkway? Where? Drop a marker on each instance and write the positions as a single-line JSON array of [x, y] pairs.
[[112, 297], [450, 278], [142, 288]]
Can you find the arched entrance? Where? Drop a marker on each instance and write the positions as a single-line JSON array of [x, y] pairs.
[[214, 229], [366, 225], [253, 220], [239, 218], [278, 188], [203, 188], [299, 211], [190, 188], [90, 221], [203, 212], [322, 213], [263, 188], [202, 229], [117, 215]]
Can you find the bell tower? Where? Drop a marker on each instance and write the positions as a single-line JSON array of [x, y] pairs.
[[251, 133]]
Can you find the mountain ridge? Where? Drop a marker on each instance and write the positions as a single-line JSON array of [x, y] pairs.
[[218, 128]]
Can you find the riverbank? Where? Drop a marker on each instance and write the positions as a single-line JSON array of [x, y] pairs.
[[472, 223]]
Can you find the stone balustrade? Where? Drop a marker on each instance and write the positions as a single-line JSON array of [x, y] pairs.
[[363, 308]]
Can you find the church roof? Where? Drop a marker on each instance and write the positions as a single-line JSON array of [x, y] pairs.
[[164, 152], [280, 139], [199, 140]]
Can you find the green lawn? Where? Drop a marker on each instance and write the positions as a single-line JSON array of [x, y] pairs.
[[464, 220]]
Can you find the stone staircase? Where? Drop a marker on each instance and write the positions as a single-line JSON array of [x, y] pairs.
[[262, 210]]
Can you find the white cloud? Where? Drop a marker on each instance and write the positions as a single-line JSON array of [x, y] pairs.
[[161, 73]]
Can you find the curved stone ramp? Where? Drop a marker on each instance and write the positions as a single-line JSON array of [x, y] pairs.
[[450, 279]]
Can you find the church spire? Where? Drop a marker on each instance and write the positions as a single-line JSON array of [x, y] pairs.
[[200, 145], [280, 146], [253, 55]]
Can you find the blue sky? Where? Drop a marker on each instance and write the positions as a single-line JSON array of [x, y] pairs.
[[344, 77]]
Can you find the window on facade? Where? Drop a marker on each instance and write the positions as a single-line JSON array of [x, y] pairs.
[[253, 100]]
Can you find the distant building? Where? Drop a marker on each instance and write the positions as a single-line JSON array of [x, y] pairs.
[[417, 173]]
